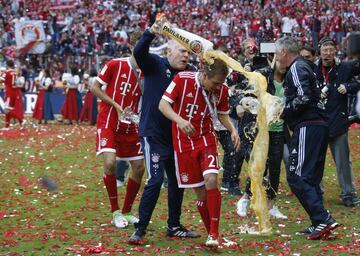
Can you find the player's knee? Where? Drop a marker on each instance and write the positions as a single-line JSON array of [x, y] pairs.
[[210, 181], [109, 166], [137, 171]]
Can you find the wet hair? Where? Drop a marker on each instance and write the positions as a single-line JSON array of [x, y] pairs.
[[219, 67]]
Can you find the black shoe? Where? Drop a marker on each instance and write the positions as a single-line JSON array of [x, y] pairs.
[[235, 191], [307, 231], [348, 202], [323, 230], [224, 186], [137, 238], [181, 232]]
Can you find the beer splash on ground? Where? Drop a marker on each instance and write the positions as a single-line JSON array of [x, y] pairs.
[[270, 109]]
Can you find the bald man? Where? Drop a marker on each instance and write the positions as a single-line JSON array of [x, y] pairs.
[[156, 136]]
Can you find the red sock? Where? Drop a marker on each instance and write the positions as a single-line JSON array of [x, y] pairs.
[[110, 184], [214, 207], [204, 213], [132, 189], [7, 120]]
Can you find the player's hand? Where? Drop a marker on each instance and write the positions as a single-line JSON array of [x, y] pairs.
[[119, 111], [342, 89], [235, 139], [186, 127]]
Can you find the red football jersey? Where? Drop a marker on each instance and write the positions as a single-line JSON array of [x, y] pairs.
[[186, 95], [122, 86], [10, 80]]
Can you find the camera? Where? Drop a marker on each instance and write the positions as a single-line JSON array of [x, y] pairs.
[[267, 48], [267, 51]]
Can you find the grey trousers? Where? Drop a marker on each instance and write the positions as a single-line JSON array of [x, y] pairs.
[[340, 151]]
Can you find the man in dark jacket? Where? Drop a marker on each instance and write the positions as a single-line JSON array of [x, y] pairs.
[[156, 137], [304, 113], [337, 81]]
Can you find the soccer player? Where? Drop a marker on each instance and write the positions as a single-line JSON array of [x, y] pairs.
[[117, 137], [13, 95], [194, 97]]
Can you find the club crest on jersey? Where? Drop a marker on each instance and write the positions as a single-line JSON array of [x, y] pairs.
[[184, 177], [155, 157], [168, 73], [103, 142], [124, 76]]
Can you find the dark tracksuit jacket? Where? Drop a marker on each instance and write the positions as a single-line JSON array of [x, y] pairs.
[[155, 133], [305, 114]]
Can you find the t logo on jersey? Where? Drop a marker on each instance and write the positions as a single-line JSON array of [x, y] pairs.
[[191, 109], [124, 88]]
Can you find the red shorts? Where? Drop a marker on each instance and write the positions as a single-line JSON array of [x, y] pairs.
[[191, 166], [128, 146], [105, 141]]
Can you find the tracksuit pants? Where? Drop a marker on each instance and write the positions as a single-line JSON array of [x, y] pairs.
[[307, 149], [157, 162]]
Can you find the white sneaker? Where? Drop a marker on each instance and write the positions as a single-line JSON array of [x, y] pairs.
[[242, 207], [120, 183], [131, 219], [212, 241], [274, 212], [119, 220]]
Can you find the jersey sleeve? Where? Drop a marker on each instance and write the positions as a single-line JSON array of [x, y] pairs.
[[172, 92], [105, 75], [223, 105]]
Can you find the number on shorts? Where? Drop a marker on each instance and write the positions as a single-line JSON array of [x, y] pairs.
[[139, 145], [213, 159]]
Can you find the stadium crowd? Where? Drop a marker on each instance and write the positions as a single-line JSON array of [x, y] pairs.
[[85, 28]]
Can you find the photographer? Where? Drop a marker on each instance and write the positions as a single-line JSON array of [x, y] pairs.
[[336, 80]]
